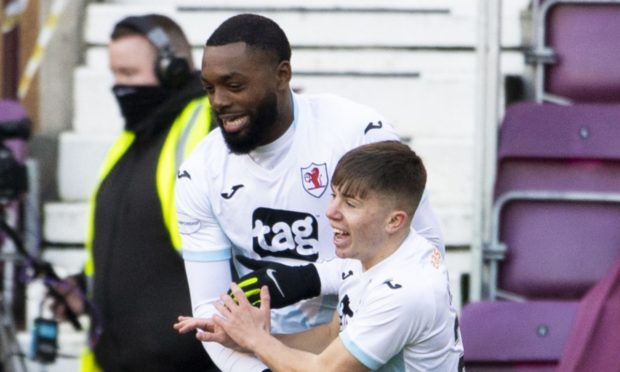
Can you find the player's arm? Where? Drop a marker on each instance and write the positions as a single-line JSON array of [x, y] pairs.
[[313, 340], [206, 253], [289, 284], [280, 357], [249, 327], [205, 248], [426, 224]]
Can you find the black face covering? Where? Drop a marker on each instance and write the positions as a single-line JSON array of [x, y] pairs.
[[138, 101]]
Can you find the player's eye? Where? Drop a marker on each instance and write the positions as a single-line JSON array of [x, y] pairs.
[[235, 87], [209, 88]]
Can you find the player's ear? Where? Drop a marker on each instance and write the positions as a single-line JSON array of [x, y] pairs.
[[397, 219], [283, 74]]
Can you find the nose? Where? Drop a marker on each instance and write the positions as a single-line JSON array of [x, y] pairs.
[[332, 212], [219, 99]]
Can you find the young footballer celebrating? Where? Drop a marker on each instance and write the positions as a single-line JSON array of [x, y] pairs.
[[394, 305]]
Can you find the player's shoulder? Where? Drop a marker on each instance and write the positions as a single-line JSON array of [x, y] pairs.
[[345, 120], [209, 152], [203, 165], [332, 105], [419, 264]]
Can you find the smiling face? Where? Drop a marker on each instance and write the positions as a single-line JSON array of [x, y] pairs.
[[376, 190], [364, 228], [249, 94]]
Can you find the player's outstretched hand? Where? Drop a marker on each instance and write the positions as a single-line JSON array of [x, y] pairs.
[[287, 284], [245, 324], [206, 330]]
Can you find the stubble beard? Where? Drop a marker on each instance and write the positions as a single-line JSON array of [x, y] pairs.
[[256, 132]]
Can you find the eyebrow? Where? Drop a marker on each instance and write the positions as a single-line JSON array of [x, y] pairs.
[[224, 78], [347, 195]]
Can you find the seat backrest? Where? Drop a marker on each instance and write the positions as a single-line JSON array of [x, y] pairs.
[[558, 247], [583, 37]]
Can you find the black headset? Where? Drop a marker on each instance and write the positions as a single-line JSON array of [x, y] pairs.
[[171, 70]]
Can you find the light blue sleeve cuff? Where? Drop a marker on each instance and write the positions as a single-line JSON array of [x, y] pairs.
[[207, 256], [358, 353]]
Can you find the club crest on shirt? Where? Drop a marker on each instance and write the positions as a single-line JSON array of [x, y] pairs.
[[315, 179]]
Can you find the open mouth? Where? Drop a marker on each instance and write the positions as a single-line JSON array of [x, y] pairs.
[[340, 236], [234, 124]]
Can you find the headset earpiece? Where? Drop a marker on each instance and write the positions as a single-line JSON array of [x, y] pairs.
[[171, 70]]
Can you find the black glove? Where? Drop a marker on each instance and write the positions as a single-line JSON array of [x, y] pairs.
[[287, 284]]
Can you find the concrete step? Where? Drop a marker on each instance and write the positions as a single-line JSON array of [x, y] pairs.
[[425, 105], [456, 224], [79, 160], [417, 23], [389, 25], [364, 61], [64, 222], [96, 111], [450, 171]]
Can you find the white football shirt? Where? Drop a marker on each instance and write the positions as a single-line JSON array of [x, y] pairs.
[[397, 316], [227, 204]]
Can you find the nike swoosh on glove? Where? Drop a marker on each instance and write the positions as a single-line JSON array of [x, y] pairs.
[[287, 284]]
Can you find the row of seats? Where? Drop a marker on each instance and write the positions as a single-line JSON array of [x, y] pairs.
[[552, 264]]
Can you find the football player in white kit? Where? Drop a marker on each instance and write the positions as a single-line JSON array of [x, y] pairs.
[[257, 186], [394, 311]]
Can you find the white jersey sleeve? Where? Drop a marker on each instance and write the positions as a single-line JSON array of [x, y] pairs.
[[330, 275], [206, 251], [205, 248], [426, 224], [202, 237]]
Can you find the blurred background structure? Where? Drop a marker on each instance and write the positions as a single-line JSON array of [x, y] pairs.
[[443, 71]]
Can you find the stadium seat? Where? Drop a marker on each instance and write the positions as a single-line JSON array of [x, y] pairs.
[[575, 50], [555, 233]]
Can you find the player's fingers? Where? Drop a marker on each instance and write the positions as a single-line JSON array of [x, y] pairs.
[[209, 336], [185, 325], [239, 294], [228, 302], [220, 321], [265, 299], [221, 308]]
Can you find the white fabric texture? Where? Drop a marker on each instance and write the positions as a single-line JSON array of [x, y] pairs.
[[398, 316]]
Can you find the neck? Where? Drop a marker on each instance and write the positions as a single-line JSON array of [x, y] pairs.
[[386, 250], [286, 116]]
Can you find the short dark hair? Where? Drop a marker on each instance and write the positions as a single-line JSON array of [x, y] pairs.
[[388, 168], [179, 43], [256, 31]]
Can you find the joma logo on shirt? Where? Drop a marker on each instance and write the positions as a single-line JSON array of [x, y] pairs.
[[280, 233]]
